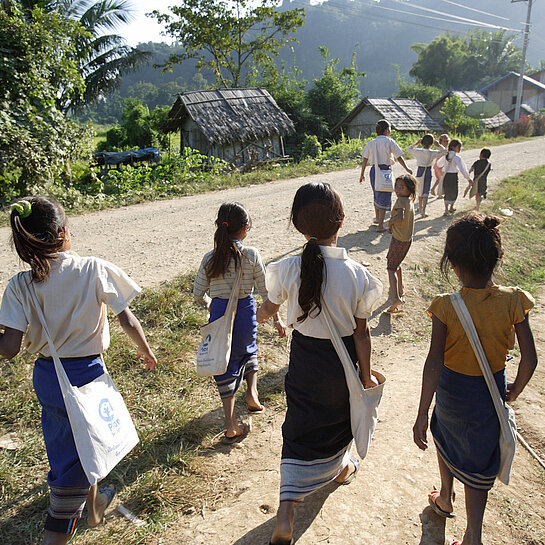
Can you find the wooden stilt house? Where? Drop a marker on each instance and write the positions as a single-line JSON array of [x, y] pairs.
[[236, 125]]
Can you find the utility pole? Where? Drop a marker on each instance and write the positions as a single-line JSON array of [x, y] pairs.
[[523, 63]]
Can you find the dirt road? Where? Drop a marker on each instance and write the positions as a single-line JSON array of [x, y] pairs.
[[387, 503]]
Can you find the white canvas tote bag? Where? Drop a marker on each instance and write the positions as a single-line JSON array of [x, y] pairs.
[[101, 424], [383, 178], [215, 348], [506, 415], [364, 403]]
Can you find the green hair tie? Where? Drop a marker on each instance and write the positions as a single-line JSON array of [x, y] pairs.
[[23, 207]]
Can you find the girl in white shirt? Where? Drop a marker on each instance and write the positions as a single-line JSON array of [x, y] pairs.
[[73, 292], [316, 432], [452, 164]]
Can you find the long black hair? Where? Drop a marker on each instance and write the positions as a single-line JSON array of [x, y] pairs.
[[474, 245], [38, 232], [317, 212], [232, 218]]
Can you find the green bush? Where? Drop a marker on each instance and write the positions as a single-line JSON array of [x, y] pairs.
[[311, 147]]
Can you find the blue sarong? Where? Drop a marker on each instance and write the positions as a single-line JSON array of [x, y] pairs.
[[466, 429], [243, 357], [382, 199], [426, 172]]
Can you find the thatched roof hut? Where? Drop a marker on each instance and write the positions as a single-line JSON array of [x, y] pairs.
[[232, 124], [403, 114]]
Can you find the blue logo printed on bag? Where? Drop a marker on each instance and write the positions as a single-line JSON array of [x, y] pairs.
[[204, 347], [106, 410]]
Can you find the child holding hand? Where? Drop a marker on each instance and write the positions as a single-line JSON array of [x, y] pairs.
[[401, 226], [464, 422]]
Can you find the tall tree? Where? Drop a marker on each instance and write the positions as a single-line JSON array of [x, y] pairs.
[[229, 37], [454, 62]]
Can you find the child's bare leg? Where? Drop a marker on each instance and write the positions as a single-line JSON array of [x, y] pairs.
[[423, 204], [478, 199], [420, 204], [434, 187], [376, 215], [348, 469], [475, 506], [400, 289], [252, 395], [394, 299], [444, 500], [231, 427], [96, 505], [284, 522], [380, 217]]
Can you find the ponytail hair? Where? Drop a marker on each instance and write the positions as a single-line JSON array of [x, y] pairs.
[[473, 244], [317, 212], [38, 232], [451, 145], [232, 218]]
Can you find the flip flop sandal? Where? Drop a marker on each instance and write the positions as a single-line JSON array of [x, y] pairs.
[[455, 542], [432, 499], [256, 410], [225, 440], [352, 475]]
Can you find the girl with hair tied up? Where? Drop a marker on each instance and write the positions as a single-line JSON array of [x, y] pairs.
[[73, 292], [464, 423], [217, 275], [316, 433]]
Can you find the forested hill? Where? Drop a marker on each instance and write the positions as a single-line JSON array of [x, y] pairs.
[[381, 31]]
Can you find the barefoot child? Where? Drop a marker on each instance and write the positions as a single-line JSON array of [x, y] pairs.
[[437, 170], [383, 151], [217, 274], [451, 164], [401, 226], [464, 422], [73, 292], [481, 168], [316, 433], [424, 159]]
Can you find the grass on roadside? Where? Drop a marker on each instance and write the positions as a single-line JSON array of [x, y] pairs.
[[177, 413]]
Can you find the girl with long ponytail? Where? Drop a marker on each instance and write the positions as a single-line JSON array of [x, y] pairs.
[[316, 434]]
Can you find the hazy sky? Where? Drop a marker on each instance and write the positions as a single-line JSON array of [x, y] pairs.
[[142, 28]]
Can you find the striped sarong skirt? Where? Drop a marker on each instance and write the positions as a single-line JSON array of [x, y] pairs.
[[243, 357], [316, 433], [466, 429]]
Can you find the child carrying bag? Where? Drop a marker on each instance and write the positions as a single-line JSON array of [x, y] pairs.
[[101, 424], [383, 178], [363, 402], [506, 415], [215, 348]]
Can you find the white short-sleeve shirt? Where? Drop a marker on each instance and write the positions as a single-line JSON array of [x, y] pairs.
[[350, 291], [387, 150], [74, 298]]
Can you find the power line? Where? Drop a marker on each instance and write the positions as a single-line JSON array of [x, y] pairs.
[[471, 22], [476, 10]]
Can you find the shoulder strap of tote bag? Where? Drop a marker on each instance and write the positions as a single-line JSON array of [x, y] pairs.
[[59, 369], [482, 173], [469, 327], [233, 298], [352, 377]]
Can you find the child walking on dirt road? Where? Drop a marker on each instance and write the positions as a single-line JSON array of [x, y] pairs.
[[316, 433], [216, 275], [451, 164], [464, 422], [401, 225], [73, 292]]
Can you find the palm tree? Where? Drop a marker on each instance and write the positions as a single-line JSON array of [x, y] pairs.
[[102, 55]]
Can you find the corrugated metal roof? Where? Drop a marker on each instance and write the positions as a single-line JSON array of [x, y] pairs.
[[469, 97], [405, 114], [230, 115]]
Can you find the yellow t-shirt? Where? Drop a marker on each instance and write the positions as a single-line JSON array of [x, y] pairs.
[[494, 311], [403, 230]]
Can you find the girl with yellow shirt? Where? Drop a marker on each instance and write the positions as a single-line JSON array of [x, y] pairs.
[[464, 423]]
